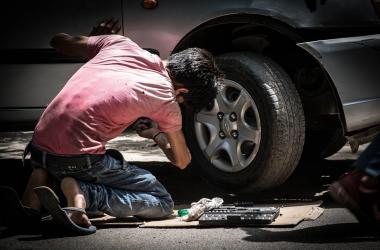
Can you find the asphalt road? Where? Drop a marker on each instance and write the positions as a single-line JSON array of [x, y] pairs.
[[335, 229]]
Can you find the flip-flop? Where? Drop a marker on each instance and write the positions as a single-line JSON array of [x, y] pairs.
[[50, 202], [13, 213]]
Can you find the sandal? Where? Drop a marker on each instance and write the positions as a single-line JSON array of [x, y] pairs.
[[50, 202], [13, 213]]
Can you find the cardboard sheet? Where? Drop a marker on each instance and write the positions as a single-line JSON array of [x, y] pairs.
[[290, 216], [109, 221]]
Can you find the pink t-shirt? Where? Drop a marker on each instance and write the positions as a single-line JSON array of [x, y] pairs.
[[121, 83]]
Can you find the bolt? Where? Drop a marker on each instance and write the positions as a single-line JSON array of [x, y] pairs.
[[220, 115], [222, 135], [234, 134], [233, 117]]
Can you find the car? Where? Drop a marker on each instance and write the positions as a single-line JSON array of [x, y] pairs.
[[301, 76]]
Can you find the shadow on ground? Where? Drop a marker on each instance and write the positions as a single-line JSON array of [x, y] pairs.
[[35, 233], [332, 233], [308, 183]]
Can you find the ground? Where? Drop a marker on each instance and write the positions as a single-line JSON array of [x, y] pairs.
[[335, 229]]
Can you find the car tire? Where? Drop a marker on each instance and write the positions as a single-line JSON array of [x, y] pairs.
[[275, 125]]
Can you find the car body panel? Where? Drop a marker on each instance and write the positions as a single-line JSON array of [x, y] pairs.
[[22, 87], [353, 65], [34, 74], [162, 28], [31, 24]]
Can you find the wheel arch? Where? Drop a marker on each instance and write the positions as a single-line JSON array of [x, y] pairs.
[[276, 38]]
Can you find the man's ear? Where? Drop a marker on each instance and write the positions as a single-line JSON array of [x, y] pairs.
[[180, 91], [179, 96]]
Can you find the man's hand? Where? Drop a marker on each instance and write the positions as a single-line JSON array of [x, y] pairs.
[[146, 128], [106, 27]]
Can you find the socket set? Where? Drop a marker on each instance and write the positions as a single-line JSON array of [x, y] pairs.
[[231, 215]]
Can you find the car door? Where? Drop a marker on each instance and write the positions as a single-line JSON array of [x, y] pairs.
[[32, 73]]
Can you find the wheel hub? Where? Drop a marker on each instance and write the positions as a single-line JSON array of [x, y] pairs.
[[228, 125]]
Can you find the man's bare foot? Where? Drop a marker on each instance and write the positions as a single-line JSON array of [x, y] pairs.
[[75, 198], [80, 219]]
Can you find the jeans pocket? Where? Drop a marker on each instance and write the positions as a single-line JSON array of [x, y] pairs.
[[114, 160], [98, 171]]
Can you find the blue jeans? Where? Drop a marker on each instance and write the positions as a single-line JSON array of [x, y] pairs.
[[120, 189], [369, 160]]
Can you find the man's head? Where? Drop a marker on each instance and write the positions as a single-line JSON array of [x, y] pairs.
[[195, 77]]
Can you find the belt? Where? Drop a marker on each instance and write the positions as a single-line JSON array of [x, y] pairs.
[[72, 162]]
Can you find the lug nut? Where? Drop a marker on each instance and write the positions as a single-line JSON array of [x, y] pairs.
[[234, 134], [222, 135], [220, 115], [233, 117]]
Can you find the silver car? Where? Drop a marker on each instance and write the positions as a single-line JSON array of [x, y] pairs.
[[301, 75]]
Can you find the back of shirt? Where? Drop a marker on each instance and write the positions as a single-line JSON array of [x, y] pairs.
[[121, 83]]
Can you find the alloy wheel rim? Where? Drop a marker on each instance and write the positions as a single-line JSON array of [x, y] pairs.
[[229, 130]]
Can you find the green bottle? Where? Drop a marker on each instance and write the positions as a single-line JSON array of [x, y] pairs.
[[183, 212]]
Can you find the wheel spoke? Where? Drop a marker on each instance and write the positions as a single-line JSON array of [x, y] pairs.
[[213, 147], [247, 133], [221, 102], [232, 150], [207, 118], [241, 101], [215, 108]]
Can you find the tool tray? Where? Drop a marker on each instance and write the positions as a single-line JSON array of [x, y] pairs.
[[240, 214]]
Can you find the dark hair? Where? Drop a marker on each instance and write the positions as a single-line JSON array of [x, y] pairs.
[[195, 68]]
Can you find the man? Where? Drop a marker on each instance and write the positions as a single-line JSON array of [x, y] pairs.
[[359, 190], [119, 84]]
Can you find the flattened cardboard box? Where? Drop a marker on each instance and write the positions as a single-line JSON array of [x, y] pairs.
[[290, 216]]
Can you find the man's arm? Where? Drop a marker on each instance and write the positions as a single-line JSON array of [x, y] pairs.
[[173, 144], [70, 45], [77, 45]]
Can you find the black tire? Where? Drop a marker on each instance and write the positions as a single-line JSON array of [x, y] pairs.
[[282, 125]]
